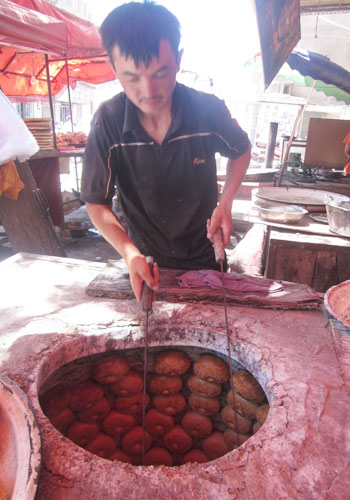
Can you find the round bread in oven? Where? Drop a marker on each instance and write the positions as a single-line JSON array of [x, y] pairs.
[[205, 406], [85, 395], [164, 385], [211, 368], [172, 363], [247, 386], [196, 425], [110, 369], [203, 388]]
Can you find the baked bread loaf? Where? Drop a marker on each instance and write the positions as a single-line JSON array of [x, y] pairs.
[[203, 388], [235, 421], [171, 405], [215, 445], [96, 412], [247, 386], [172, 363], [110, 369], [85, 395], [196, 425], [131, 383], [195, 455], [242, 405], [261, 413], [235, 439], [158, 456], [205, 406], [211, 368], [177, 440], [117, 424], [132, 404], [164, 385], [54, 400], [119, 454], [102, 445], [158, 423], [63, 420], [81, 433], [132, 441]]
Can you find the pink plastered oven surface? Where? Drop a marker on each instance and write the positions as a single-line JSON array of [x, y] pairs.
[[303, 365]]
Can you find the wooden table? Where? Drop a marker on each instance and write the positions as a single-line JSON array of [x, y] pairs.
[[305, 252]]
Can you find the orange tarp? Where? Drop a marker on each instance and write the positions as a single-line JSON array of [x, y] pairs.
[[23, 71]]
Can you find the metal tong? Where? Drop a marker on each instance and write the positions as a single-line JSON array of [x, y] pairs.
[[146, 301], [220, 258]]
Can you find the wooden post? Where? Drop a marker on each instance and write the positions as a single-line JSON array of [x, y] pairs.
[[270, 151]]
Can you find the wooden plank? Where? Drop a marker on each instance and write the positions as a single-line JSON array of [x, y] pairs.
[[114, 282], [326, 271], [26, 222]]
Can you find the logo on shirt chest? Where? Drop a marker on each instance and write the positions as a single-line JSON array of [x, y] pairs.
[[198, 161]]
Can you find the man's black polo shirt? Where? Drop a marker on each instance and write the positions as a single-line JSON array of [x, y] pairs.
[[167, 191]]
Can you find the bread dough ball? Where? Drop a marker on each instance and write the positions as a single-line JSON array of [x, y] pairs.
[[110, 369], [247, 386], [172, 363], [117, 424], [131, 383], [234, 439], [211, 368], [158, 423], [177, 440], [132, 404], [158, 456], [261, 413], [102, 445], [205, 406], [203, 388], [81, 433], [242, 405], [119, 455], [132, 441], [196, 425], [85, 395], [164, 385], [215, 445], [235, 421], [96, 412], [195, 455], [54, 400], [63, 420]]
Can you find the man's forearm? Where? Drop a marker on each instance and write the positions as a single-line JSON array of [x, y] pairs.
[[105, 220], [235, 172]]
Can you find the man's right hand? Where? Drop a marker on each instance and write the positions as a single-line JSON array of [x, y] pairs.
[[106, 221], [139, 272]]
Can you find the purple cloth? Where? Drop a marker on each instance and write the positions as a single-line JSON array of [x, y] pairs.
[[235, 282]]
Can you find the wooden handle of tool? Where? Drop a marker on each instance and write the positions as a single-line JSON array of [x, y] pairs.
[[218, 244], [147, 293]]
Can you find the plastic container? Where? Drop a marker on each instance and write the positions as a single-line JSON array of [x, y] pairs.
[[338, 213]]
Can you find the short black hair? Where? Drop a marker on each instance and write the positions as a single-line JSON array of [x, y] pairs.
[[137, 28]]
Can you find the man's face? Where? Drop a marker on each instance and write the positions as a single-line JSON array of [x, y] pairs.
[[149, 88]]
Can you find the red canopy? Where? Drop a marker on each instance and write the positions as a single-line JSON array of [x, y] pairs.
[[27, 29], [77, 45]]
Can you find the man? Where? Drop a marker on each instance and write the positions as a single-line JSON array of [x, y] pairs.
[[156, 142]]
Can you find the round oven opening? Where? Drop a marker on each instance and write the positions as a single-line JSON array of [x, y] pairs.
[[193, 412]]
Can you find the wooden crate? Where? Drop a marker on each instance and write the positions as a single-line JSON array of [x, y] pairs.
[[315, 260]]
